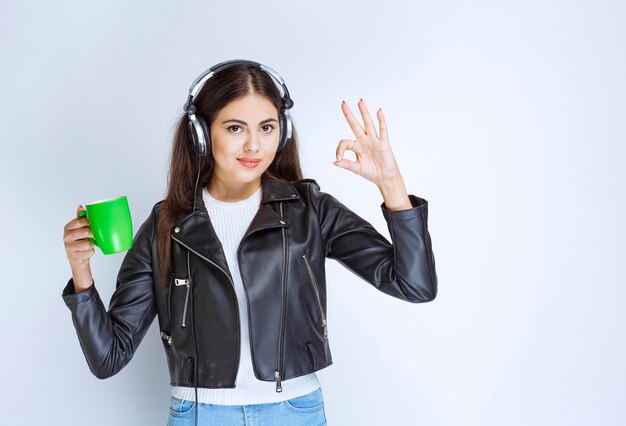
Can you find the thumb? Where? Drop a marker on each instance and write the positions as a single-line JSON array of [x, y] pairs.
[[347, 164]]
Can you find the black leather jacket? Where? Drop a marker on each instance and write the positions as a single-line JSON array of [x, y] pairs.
[[282, 265]]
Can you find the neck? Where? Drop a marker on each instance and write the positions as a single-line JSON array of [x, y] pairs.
[[232, 193]]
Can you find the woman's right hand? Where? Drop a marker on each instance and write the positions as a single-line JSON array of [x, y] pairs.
[[79, 249]]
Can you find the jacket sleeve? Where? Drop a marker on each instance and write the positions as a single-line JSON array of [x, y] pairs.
[[109, 339], [404, 269]]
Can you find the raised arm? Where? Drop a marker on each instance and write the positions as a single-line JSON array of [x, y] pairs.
[[404, 269], [110, 338]]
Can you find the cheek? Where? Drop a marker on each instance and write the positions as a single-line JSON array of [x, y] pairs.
[[271, 144], [222, 148]]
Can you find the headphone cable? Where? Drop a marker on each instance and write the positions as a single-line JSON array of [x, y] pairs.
[[193, 317]]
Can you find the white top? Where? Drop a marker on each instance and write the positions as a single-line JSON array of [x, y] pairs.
[[231, 220]]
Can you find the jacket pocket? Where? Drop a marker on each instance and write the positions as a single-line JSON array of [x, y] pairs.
[[190, 371], [317, 294], [169, 298], [310, 350]]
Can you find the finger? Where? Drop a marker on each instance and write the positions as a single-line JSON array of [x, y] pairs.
[[353, 166], [76, 223], [348, 144], [84, 218], [369, 124], [382, 124], [78, 234], [82, 254], [81, 245], [352, 121], [82, 233]]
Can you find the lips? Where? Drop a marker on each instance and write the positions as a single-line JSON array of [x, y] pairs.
[[249, 162]]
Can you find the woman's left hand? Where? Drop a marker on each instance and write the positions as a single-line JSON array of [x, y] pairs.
[[374, 159]]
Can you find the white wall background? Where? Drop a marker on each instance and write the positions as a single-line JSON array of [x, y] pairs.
[[508, 117]]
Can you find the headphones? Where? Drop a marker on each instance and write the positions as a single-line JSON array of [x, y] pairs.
[[198, 128]]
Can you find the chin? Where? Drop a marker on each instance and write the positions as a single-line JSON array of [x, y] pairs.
[[251, 176]]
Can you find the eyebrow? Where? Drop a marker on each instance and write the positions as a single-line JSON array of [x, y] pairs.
[[267, 120]]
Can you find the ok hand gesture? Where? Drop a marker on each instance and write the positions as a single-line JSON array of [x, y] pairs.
[[374, 159]]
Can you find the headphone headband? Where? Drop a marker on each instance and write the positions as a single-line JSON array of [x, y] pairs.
[[202, 78]]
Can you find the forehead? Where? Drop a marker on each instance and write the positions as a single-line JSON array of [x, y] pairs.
[[251, 105]]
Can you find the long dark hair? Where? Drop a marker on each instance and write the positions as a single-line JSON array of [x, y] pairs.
[[221, 89]]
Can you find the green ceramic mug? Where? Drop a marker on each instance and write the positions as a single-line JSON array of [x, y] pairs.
[[111, 224]]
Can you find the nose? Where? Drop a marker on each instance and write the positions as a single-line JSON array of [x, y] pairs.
[[251, 145]]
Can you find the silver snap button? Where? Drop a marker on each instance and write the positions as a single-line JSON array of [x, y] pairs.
[[293, 195], [176, 229], [282, 221]]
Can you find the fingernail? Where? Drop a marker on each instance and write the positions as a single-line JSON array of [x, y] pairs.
[[338, 157], [360, 99], [343, 102]]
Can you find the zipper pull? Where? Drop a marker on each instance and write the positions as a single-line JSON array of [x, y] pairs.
[[325, 329], [279, 388], [179, 282], [167, 338]]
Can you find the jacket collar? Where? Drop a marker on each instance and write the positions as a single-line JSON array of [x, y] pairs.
[[196, 230], [273, 189]]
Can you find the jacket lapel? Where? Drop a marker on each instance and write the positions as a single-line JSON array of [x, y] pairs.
[[196, 230]]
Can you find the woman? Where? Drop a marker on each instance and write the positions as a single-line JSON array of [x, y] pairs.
[[232, 260]]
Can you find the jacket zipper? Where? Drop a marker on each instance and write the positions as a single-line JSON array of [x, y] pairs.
[[184, 282], [167, 338], [279, 387], [164, 335], [169, 300], [317, 295], [227, 276]]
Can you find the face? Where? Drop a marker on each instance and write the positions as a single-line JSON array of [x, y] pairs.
[[245, 129]]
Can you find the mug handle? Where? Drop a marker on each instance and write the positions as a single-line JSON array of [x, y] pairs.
[[83, 214]]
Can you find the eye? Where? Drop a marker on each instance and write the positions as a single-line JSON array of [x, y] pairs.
[[270, 126], [234, 125]]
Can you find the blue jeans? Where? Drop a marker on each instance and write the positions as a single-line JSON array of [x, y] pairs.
[[306, 410]]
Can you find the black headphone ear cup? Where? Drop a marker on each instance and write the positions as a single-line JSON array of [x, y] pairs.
[[207, 135], [283, 131], [197, 144], [199, 135]]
